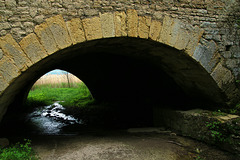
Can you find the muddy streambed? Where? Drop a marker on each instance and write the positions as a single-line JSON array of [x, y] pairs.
[[56, 135]]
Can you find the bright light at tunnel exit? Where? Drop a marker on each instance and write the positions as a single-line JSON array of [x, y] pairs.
[[58, 76]]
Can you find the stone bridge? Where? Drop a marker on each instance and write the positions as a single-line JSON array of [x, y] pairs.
[[166, 52]]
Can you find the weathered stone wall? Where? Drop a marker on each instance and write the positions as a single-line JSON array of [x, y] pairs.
[[216, 17]]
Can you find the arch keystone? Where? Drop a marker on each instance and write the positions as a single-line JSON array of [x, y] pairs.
[[120, 24], [144, 24], [14, 51], [76, 31], [59, 30], [93, 28], [132, 23], [108, 28], [33, 48]]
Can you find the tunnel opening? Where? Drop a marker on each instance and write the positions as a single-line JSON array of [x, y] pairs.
[[131, 76], [47, 104]]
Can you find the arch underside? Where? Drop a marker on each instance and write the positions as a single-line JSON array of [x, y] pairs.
[[131, 70]]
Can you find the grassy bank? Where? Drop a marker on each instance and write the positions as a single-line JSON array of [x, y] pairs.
[[18, 152], [43, 95]]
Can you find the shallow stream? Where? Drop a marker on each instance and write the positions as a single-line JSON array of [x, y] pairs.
[[50, 120]]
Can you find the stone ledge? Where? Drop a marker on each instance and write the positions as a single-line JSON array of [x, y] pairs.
[[220, 130]]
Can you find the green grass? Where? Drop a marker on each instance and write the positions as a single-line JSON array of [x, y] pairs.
[[18, 152], [57, 85], [46, 95]]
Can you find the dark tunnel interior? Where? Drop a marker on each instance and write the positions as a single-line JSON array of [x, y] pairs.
[[131, 74]]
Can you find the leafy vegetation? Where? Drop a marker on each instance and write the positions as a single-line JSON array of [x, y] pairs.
[[235, 110], [18, 152], [46, 95], [222, 132], [199, 158], [216, 131], [218, 113]]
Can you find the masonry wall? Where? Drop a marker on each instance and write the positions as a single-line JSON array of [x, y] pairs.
[[217, 17]]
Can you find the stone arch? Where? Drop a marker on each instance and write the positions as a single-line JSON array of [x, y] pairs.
[[56, 35]]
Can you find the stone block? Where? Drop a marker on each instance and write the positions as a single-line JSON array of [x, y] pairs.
[[132, 23], [3, 84], [120, 24], [8, 70], [205, 55], [59, 31], [76, 30], [155, 29], [144, 24], [46, 38], [199, 51], [1, 54], [107, 22], [183, 39], [33, 48], [10, 47], [195, 37], [166, 30], [222, 75], [93, 28], [174, 33]]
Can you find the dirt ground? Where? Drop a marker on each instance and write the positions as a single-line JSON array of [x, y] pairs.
[[122, 145]]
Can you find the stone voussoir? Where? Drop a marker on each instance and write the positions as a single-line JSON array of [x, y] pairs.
[[155, 29], [8, 70], [221, 75], [120, 24], [144, 23], [11, 48], [3, 83], [165, 33], [107, 23], [33, 48], [92, 27], [76, 31], [59, 31], [195, 37], [132, 23], [46, 38]]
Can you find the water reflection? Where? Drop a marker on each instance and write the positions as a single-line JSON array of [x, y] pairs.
[[51, 119]]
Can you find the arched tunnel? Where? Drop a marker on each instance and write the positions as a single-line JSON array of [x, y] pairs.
[[136, 74]]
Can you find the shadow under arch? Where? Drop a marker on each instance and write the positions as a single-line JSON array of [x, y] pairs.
[[129, 70]]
